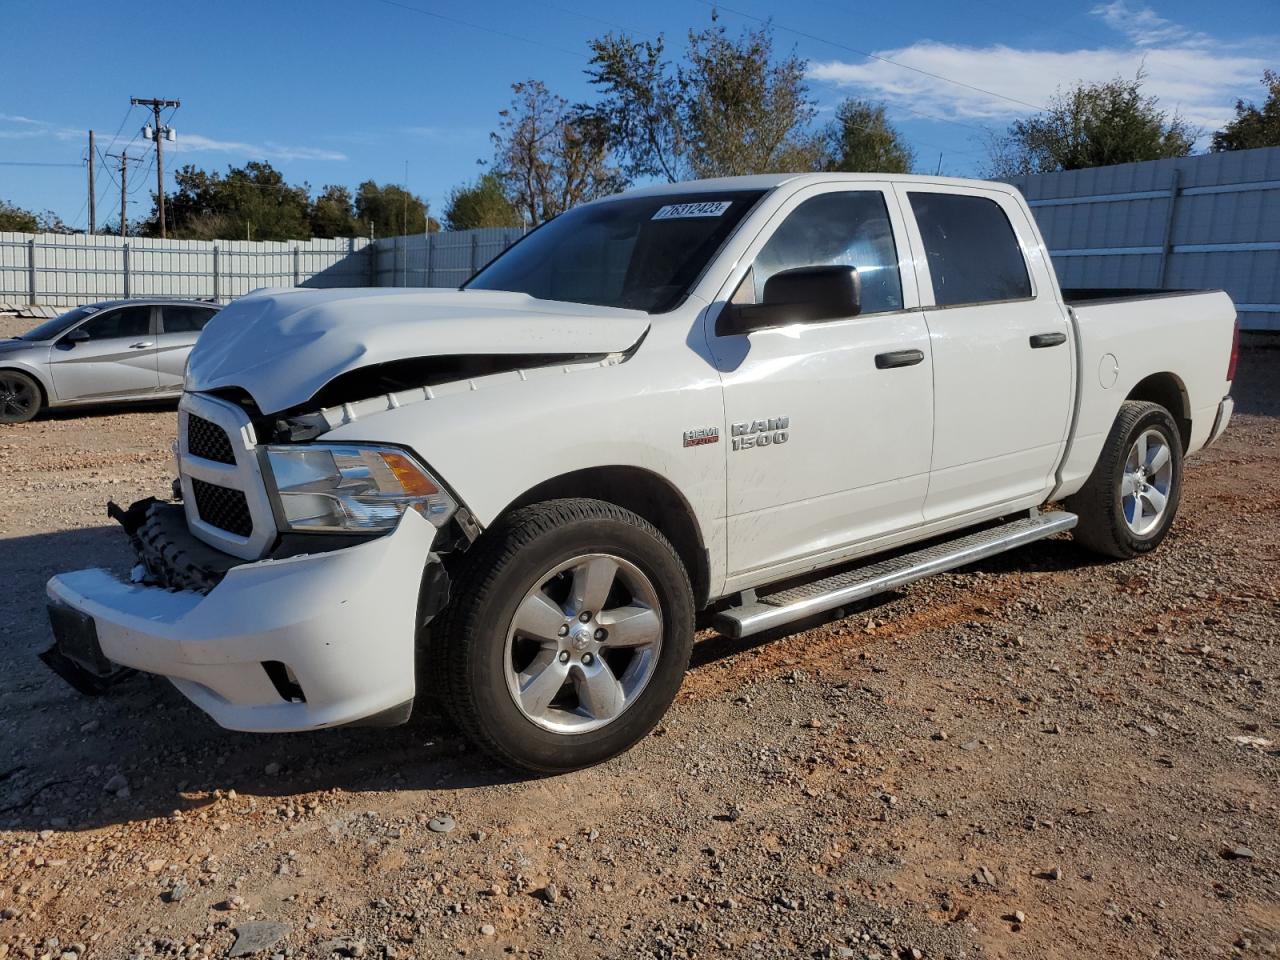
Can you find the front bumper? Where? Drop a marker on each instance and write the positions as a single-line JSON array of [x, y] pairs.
[[343, 623]]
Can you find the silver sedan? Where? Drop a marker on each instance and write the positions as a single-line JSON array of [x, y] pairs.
[[103, 352]]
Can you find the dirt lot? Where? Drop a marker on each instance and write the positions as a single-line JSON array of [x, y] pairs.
[[1042, 756]]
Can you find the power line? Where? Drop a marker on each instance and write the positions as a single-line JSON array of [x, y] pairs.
[[870, 56], [37, 163]]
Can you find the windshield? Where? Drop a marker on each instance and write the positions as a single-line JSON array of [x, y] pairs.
[[642, 253], [58, 325]]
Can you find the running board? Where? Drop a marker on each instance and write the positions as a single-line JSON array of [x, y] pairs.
[[819, 596]]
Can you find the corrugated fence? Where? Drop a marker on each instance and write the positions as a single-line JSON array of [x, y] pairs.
[[444, 259], [64, 271], [1196, 222]]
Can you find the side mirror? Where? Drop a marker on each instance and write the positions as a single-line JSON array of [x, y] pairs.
[[801, 295], [78, 335]]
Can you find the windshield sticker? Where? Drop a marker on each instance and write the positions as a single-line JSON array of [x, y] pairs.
[[708, 208]]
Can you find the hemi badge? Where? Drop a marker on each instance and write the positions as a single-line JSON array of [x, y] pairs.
[[703, 435]]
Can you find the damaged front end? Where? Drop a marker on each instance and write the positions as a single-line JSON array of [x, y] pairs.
[[167, 556], [268, 614]]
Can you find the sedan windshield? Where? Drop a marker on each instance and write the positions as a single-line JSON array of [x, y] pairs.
[[643, 253], [59, 324]]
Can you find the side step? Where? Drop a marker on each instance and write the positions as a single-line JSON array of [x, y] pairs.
[[818, 596]]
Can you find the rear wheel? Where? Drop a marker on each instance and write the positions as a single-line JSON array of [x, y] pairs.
[[568, 636], [1131, 498], [19, 397]]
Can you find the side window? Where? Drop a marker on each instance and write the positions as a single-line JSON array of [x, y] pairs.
[[973, 252], [184, 319], [118, 324], [849, 229]]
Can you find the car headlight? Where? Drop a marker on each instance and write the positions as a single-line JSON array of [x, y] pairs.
[[353, 488]]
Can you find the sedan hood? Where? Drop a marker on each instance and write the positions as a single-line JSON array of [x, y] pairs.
[[283, 346]]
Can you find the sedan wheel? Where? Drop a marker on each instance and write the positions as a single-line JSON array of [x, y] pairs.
[[19, 397]]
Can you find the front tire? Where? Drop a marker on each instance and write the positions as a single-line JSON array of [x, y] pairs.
[[20, 397], [568, 635], [1130, 500]]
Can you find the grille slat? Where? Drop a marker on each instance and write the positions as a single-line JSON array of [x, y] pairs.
[[208, 441], [222, 507]]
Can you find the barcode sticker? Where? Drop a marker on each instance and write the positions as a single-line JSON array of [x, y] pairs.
[[709, 208]]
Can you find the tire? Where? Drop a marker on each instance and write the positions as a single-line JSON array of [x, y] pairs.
[[521, 612], [20, 397], [1120, 509]]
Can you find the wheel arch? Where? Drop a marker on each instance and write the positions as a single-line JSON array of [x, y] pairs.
[[45, 392], [1168, 390], [644, 493]]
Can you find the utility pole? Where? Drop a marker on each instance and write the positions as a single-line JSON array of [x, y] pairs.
[[160, 134], [93, 220], [124, 159]]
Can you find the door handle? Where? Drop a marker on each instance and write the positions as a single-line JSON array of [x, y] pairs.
[[142, 345], [1042, 340], [898, 358]]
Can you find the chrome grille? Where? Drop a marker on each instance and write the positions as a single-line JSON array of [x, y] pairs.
[[208, 440], [223, 490], [222, 507]]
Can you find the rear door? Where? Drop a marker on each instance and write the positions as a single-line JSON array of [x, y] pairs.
[[1002, 353], [117, 360], [828, 436], [180, 325]]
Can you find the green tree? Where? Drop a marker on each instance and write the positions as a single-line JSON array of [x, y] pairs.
[[251, 202], [731, 107], [861, 140], [24, 221], [333, 214], [16, 220], [642, 106], [392, 210], [1092, 125], [1254, 126], [549, 157], [746, 111], [482, 204]]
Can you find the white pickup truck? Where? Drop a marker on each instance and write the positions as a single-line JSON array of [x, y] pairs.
[[765, 398]]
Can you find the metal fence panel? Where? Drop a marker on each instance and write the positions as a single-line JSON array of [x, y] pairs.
[[443, 259], [66, 270], [1195, 222]]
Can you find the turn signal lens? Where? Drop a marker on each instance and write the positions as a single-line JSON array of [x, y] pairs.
[[352, 488]]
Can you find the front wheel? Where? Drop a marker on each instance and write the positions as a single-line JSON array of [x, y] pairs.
[[19, 397], [1129, 502], [568, 635]]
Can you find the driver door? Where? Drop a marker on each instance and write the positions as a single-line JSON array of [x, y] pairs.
[[117, 360], [829, 425]]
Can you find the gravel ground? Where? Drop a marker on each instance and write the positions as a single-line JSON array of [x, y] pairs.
[[1040, 756]]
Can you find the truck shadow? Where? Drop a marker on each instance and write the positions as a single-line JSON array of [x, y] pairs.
[[60, 750]]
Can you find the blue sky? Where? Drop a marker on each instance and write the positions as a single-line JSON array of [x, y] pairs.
[[333, 92]]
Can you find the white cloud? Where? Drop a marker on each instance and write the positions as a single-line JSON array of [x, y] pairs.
[[1197, 76], [197, 143], [1143, 26], [25, 128]]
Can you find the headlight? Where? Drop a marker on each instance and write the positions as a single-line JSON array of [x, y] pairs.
[[345, 488]]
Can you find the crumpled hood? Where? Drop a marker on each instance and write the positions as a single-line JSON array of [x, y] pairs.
[[282, 346]]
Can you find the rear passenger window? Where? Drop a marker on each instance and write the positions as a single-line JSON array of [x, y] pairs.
[[973, 252], [838, 229], [186, 319]]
